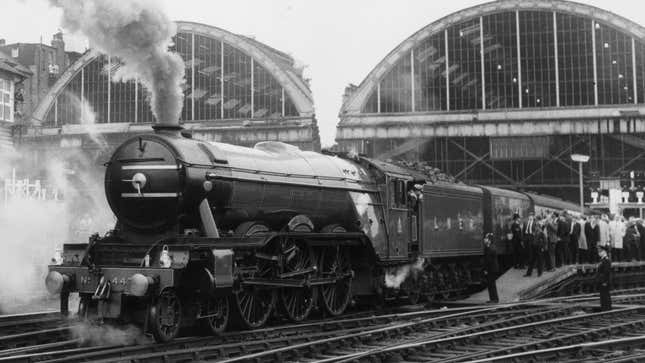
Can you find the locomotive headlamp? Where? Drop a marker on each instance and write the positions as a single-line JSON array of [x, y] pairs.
[[55, 281], [208, 186], [138, 285]]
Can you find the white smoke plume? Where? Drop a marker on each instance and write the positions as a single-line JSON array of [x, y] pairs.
[[103, 334], [34, 227], [395, 277], [139, 33], [87, 116]]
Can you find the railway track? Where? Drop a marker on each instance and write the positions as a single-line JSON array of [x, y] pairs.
[[506, 341], [353, 337], [620, 350], [20, 331], [18, 323], [240, 343], [59, 340], [270, 348]]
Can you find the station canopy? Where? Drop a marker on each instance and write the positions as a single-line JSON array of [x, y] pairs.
[[509, 54], [228, 77]]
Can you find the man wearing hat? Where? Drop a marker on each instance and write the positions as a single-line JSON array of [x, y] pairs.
[[415, 195], [529, 232], [563, 239], [516, 242], [603, 278], [491, 268]]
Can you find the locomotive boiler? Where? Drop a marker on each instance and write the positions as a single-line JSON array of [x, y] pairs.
[[219, 235]]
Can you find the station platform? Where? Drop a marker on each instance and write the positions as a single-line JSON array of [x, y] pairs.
[[513, 286]]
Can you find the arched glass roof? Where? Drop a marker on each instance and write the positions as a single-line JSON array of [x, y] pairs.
[[510, 54], [228, 77]]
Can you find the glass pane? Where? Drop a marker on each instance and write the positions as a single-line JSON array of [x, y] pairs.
[[640, 71], [371, 104], [183, 46], [500, 60], [575, 60], [267, 94], [464, 43], [429, 75], [538, 59], [396, 91], [237, 83], [208, 67], [614, 61]]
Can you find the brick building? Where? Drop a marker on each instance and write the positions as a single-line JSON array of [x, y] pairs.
[[46, 63]]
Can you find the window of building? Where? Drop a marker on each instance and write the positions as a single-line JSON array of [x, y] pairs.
[[464, 44], [396, 88], [429, 74], [575, 60], [538, 59], [500, 60], [249, 90], [614, 62], [6, 100]]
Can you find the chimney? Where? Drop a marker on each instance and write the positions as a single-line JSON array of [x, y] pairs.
[[59, 44]]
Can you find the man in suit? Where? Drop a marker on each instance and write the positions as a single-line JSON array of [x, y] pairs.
[[563, 240], [537, 247], [576, 231], [491, 268], [552, 239], [529, 231], [517, 242], [641, 240], [603, 279]]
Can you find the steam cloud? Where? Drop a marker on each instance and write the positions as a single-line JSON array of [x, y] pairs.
[[95, 334], [33, 227], [394, 279], [139, 33]]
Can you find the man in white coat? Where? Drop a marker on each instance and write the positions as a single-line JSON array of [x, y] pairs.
[[603, 231], [616, 234]]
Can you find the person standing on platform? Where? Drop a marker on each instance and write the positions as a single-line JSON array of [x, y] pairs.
[[552, 239], [536, 243], [491, 268], [632, 240], [563, 240], [517, 242], [592, 232], [574, 234], [603, 279], [604, 239], [616, 234], [641, 240], [582, 241]]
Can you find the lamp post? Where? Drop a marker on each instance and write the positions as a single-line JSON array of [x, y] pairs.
[[580, 159]]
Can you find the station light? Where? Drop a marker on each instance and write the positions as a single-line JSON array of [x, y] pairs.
[[594, 196], [579, 158]]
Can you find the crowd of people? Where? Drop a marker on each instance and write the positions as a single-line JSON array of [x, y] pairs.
[[547, 242]]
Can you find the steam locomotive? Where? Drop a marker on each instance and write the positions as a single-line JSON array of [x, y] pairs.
[[219, 235]]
